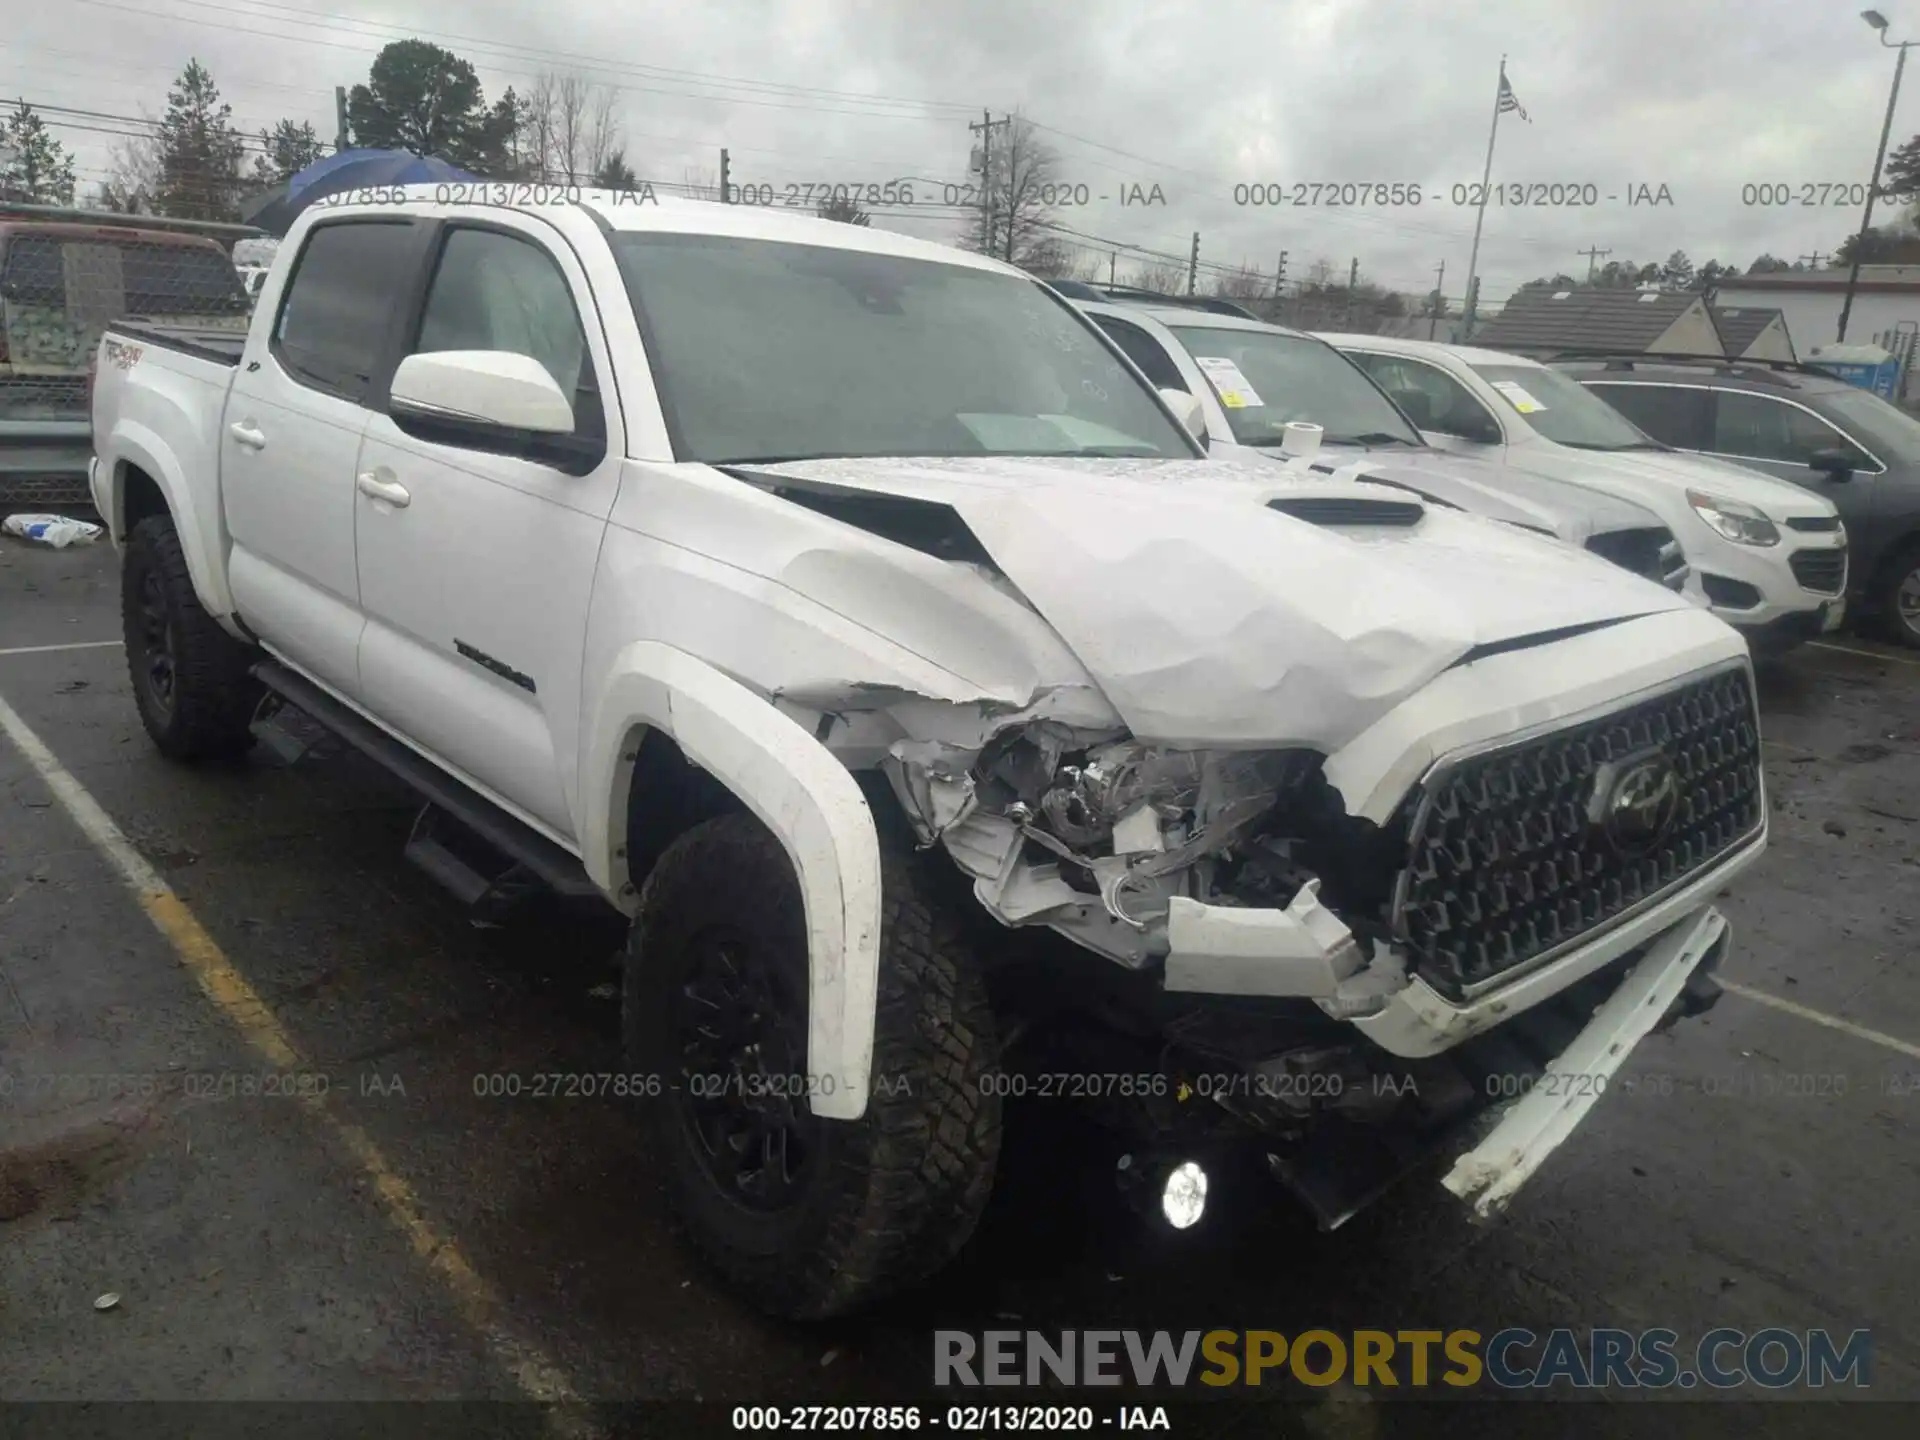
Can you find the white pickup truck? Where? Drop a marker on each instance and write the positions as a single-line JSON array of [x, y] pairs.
[[820, 597]]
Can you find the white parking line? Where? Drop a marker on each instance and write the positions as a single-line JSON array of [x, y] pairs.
[[1863, 654], [52, 649], [1832, 1022]]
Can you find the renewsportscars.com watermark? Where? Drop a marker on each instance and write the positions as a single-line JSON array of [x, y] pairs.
[[1775, 1358]]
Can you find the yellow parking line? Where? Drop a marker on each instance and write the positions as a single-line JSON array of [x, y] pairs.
[[530, 1368], [1863, 654]]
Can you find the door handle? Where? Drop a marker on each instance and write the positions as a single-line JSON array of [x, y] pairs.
[[391, 491], [245, 434]]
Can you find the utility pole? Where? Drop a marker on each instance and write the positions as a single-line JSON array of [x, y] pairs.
[[985, 130], [1878, 21], [339, 117], [1433, 310], [726, 180], [1592, 254], [1113, 262], [1813, 260], [1193, 263], [1353, 280]]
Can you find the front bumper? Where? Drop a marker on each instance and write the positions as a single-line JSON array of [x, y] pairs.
[[1534, 1126], [1419, 1021], [1778, 597]]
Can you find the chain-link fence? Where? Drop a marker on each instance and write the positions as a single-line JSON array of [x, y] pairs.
[[60, 286]]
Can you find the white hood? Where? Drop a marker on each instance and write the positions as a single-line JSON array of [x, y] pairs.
[[1208, 618], [1658, 475]]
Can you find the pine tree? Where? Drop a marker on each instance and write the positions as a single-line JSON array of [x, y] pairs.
[[200, 151], [35, 168], [289, 149]]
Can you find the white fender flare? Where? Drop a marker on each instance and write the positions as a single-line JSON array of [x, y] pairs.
[[800, 792], [201, 538]]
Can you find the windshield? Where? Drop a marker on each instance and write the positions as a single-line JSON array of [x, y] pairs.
[[1888, 426], [1265, 379], [1563, 409], [766, 350]]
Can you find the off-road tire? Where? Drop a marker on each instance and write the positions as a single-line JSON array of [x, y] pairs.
[[213, 696], [893, 1195], [1886, 597]]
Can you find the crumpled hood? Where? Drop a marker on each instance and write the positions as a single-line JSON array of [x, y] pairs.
[[1208, 618]]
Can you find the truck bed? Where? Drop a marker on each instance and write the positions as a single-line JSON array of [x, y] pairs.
[[204, 342]]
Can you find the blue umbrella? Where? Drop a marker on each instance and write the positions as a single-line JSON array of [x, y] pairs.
[[355, 169], [274, 211]]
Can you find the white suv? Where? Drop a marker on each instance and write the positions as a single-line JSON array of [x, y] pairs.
[[1741, 530]]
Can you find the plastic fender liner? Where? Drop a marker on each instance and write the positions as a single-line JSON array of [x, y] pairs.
[[800, 792]]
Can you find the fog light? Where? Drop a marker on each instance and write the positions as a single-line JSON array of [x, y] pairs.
[[1184, 1196]]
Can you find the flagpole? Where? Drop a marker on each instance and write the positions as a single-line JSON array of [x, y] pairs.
[[1473, 259]]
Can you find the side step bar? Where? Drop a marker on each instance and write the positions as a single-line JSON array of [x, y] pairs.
[[525, 858]]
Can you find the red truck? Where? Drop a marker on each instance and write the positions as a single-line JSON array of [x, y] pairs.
[[62, 281]]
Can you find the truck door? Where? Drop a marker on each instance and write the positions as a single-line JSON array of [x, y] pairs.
[[477, 562], [290, 435]]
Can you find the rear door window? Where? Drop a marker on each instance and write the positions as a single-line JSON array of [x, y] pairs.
[[1677, 415], [346, 289], [1759, 427]]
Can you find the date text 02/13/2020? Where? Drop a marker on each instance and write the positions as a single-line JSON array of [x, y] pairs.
[[1360, 194]]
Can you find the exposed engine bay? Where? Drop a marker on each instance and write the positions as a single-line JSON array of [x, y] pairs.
[[1222, 863]]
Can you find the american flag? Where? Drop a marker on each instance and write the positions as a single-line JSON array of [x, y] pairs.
[[1508, 100]]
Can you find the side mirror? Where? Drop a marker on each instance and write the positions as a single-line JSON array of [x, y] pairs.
[[1833, 462], [1186, 409], [494, 388]]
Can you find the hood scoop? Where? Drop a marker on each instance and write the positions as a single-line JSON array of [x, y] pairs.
[[1349, 510]]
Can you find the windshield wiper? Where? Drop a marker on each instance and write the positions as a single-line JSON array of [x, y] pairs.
[[1372, 437]]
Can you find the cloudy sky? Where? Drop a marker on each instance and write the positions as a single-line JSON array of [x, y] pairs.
[[1194, 96]]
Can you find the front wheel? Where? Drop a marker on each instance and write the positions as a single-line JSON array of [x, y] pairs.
[[1897, 606], [808, 1217], [190, 677]]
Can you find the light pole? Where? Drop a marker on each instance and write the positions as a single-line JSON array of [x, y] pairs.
[[1879, 23]]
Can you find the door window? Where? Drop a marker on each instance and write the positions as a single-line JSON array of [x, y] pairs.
[[1759, 427], [1433, 399], [345, 289], [1677, 415], [493, 291], [1144, 351]]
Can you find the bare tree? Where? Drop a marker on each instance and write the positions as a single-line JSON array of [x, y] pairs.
[[1163, 277], [698, 183], [568, 128], [1243, 286], [133, 173], [1018, 199]]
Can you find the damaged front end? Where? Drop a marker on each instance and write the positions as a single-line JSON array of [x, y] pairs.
[[1253, 925], [1208, 860]]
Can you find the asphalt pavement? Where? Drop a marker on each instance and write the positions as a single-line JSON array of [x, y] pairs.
[[359, 1220]]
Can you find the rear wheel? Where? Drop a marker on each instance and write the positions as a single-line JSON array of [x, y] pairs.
[[807, 1216], [1897, 603], [190, 677]]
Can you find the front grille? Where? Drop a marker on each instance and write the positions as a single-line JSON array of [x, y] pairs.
[[43, 492], [1507, 863], [1824, 571], [1651, 552], [1818, 524]]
